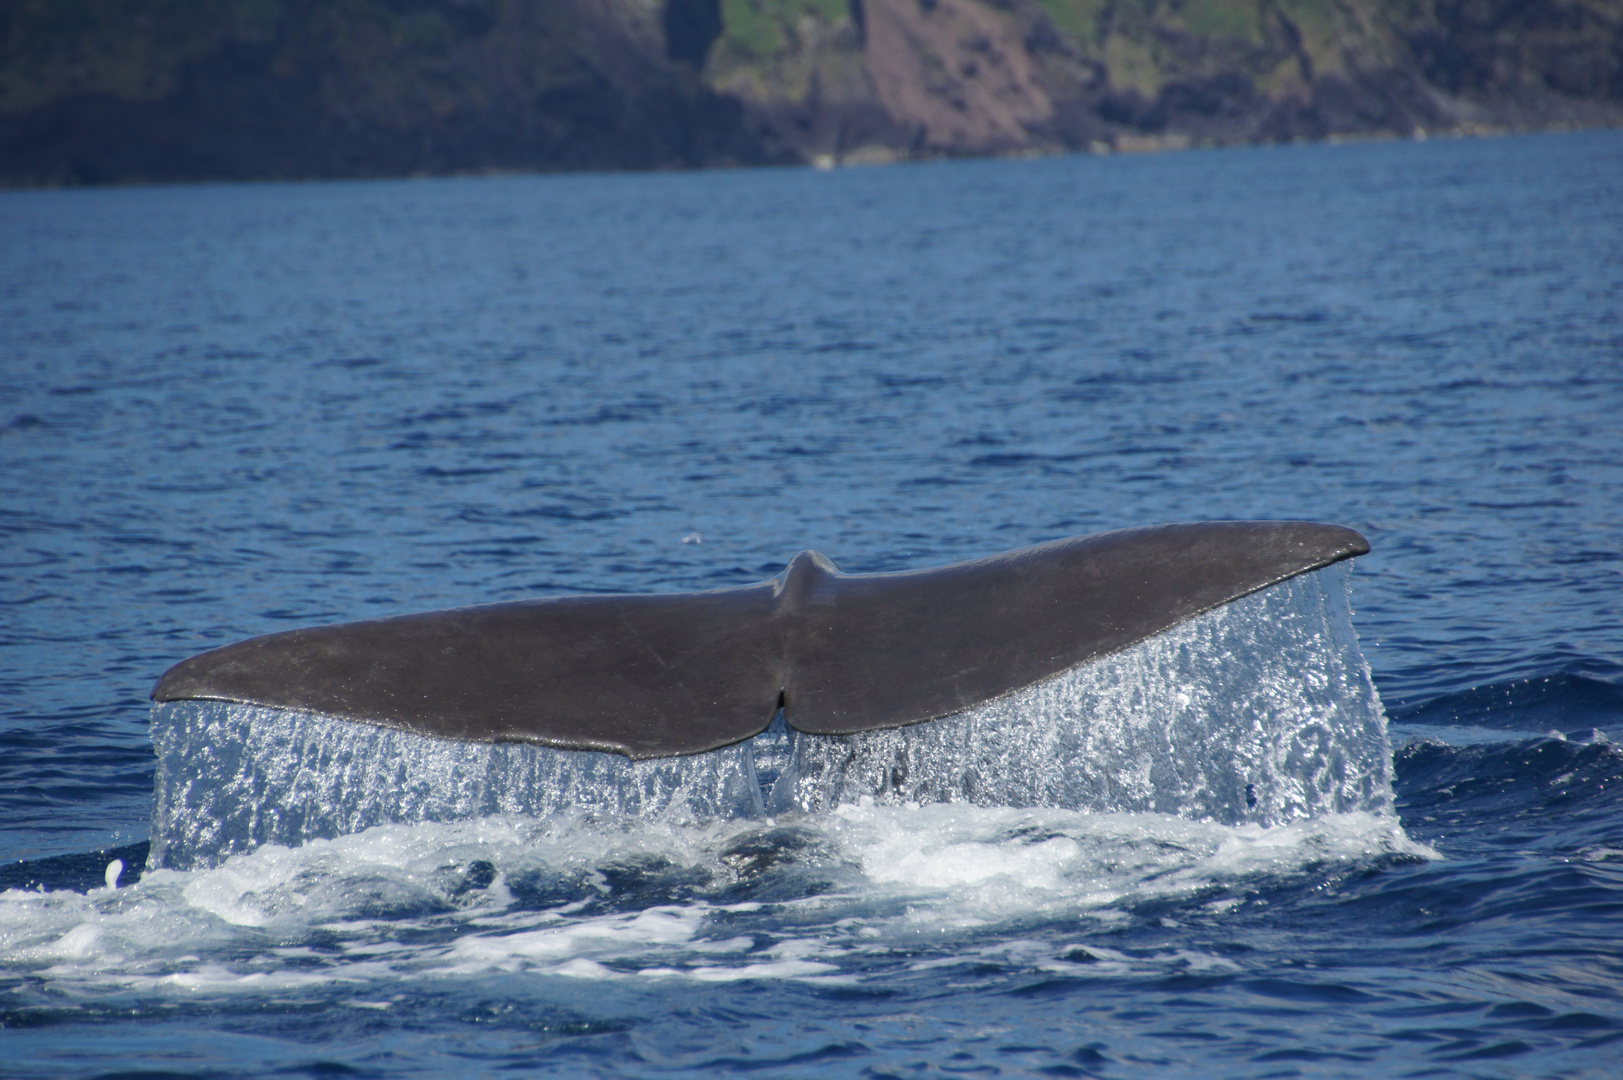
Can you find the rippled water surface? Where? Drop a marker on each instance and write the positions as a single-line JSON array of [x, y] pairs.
[[231, 410]]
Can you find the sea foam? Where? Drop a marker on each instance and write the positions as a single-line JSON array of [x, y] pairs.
[[851, 895], [1259, 712]]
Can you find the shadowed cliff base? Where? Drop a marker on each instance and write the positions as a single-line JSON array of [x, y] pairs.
[[99, 91]]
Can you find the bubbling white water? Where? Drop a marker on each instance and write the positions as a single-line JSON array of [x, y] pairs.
[[1259, 712], [863, 894]]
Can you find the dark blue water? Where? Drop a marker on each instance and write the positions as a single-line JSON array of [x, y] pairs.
[[231, 410]]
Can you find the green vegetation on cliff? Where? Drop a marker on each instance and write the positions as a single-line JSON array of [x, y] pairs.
[[769, 29], [990, 76]]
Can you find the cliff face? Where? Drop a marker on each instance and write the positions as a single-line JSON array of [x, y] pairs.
[[112, 90], [995, 76]]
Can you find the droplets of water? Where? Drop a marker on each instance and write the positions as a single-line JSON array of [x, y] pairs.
[[1260, 711], [232, 777]]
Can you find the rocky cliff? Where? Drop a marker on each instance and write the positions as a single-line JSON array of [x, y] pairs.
[[875, 78], [115, 90]]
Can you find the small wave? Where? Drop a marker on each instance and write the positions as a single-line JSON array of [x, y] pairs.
[[1563, 701], [1508, 794]]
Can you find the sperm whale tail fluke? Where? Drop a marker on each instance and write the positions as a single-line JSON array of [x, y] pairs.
[[661, 675]]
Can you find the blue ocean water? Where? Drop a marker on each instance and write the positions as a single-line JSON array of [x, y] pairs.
[[231, 410]]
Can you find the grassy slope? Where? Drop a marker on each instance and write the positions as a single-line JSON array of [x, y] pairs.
[[1573, 46], [767, 29], [775, 50], [768, 47]]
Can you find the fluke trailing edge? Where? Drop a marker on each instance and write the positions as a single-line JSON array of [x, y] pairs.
[[681, 673]]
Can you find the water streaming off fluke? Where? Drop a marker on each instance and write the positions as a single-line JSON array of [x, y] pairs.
[[1261, 712], [1258, 712]]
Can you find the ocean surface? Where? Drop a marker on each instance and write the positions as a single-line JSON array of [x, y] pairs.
[[231, 410]]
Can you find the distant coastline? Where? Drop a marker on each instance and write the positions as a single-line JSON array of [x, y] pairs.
[[121, 91]]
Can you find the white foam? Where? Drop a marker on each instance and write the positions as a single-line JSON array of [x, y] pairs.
[[641, 932], [1001, 863], [368, 911]]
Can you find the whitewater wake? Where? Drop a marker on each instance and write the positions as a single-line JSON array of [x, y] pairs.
[[847, 896]]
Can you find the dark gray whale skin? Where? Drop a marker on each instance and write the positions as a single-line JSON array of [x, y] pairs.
[[681, 673]]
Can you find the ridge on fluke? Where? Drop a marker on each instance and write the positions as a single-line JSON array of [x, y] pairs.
[[681, 673]]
